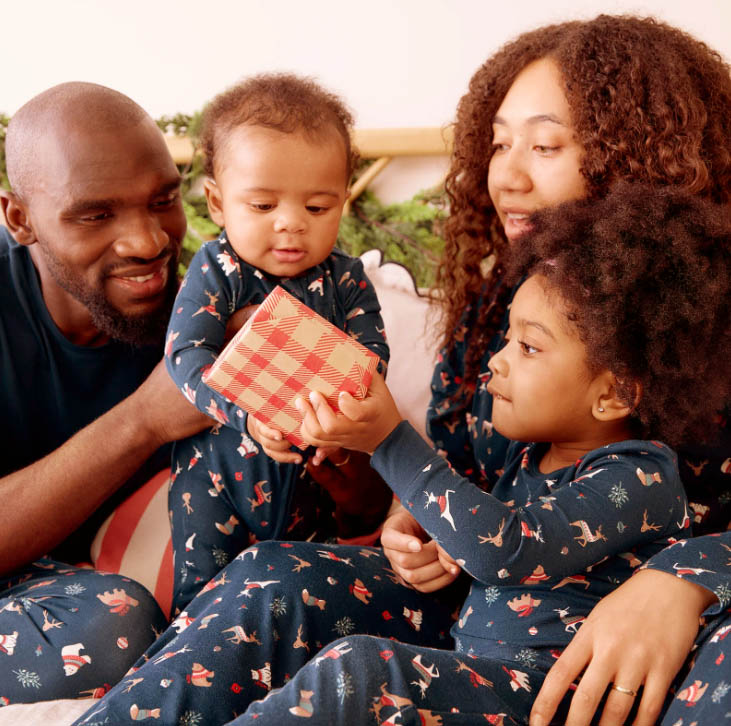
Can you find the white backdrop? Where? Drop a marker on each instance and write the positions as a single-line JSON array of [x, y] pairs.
[[396, 62]]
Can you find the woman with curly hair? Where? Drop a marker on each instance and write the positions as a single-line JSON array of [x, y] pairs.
[[559, 114]]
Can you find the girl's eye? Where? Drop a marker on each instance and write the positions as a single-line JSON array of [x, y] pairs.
[[261, 207], [546, 149], [496, 147], [315, 209], [526, 348]]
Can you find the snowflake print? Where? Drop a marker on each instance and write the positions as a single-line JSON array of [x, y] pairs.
[[75, 588], [344, 626], [183, 573], [26, 602], [526, 657], [491, 594], [618, 495], [278, 607], [28, 679], [621, 526], [723, 593], [344, 686], [720, 691], [220, 557], [191, 718]]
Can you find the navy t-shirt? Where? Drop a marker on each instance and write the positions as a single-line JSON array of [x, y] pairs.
[[52, 388]]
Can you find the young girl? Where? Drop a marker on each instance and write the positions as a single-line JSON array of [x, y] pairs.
[[278, 158], [595, 363]]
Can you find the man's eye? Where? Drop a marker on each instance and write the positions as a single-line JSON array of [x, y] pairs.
[[98, 217], [165, 203]]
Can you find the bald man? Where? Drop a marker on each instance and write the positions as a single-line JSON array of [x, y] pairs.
[[87, 280]]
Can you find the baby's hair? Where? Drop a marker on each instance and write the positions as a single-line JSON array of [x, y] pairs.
[[644, 275], [281, 101]]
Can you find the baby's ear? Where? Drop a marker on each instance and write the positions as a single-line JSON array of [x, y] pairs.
[[214, 200], [612, 396]]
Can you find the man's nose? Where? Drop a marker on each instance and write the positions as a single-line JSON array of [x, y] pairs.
[[143, 237]]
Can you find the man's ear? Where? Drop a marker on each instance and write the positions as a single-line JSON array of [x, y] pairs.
[[17, 219], [214, 200], [610, 401]]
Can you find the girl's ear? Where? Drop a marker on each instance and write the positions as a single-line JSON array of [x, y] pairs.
[[17, 219], [610, 401], [214, 200]]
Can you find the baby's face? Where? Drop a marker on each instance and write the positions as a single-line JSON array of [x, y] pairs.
[[280, 197]]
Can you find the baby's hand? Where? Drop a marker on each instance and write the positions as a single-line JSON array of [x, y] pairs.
[[361, 426], [272, 442]]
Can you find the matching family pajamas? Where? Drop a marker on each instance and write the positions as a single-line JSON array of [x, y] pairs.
[[225, 493]]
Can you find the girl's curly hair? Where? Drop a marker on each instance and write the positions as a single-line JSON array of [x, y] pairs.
[[645, 276], [648, 102], [281, 101]]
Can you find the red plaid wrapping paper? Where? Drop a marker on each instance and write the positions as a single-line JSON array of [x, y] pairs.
[[286, 350]]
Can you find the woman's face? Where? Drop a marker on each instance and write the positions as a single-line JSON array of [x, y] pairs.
[[536, 160]]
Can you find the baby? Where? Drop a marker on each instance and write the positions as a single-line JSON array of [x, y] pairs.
[[278, 159]]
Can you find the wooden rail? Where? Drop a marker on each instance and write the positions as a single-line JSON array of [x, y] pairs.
[[379, 144]]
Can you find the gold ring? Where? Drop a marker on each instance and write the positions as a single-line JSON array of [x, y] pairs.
[[344, 461], [622, 689]]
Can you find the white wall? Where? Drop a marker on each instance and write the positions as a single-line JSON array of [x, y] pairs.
[[396, 62]]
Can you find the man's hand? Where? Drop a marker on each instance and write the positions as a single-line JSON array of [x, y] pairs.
[[638, 635], [361, 496], [272, 442], [164, 411], [361, 426], [420, 561]]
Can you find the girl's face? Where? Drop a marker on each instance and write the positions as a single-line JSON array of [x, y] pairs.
[[537, 159], [542, 387]]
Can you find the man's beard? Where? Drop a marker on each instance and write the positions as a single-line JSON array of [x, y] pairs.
[[136, 330]]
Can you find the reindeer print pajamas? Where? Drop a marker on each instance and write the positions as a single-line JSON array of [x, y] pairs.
[[226, 494]]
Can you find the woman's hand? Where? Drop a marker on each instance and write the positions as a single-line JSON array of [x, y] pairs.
[[638, 635], [361, 426], [272, 442], [418, 560]]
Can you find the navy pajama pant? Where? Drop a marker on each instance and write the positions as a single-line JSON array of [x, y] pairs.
[[67, 632], [287, 616], [224, 498]]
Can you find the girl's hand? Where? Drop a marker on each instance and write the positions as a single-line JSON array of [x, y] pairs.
[[272, 442], [361, 426], [640, 634], [413, 556]]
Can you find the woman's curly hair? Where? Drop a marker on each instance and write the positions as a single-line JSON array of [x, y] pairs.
[[645, 276], [648, 102], [281, 101]]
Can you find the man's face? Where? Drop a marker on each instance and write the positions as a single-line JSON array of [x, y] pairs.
[[107, 219]]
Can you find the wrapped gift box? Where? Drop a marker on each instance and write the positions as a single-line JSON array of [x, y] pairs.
[[286, 350]]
